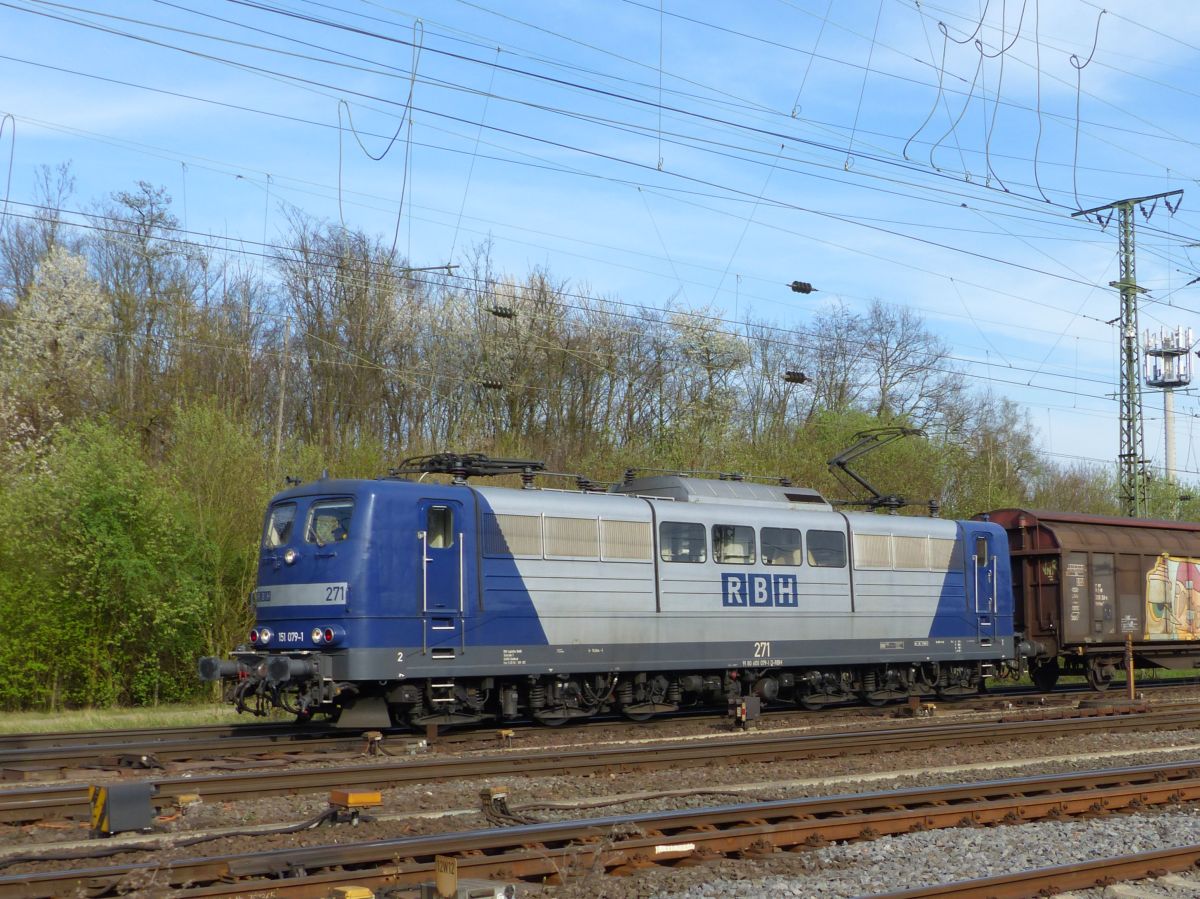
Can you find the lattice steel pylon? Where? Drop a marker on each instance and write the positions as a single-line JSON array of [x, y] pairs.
[[1132, 481]]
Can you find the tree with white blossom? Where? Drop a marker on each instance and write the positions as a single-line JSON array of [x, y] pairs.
[[52, 356]]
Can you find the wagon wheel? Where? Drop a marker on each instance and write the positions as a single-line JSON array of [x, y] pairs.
[[1099, 674]]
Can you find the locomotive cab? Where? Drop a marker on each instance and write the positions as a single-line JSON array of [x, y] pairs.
[[341, 571]]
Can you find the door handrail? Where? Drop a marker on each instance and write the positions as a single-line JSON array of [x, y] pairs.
[[424, 538], [462, 590]]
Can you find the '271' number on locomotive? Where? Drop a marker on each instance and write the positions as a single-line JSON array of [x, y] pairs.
[[762, 650]]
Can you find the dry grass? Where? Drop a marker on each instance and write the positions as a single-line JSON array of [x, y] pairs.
[[121, 719]]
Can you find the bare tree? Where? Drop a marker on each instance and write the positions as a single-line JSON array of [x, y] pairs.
[[25, 242], [152, 279]]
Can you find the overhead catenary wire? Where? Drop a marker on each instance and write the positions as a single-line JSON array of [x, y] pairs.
[[906, 225], [388, 38], [991, 379], [239, 246], [334, 261], [711, 323], [274, 251], [747, 195], [173, 5]]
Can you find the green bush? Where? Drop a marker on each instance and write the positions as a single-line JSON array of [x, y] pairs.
[[105, 575]]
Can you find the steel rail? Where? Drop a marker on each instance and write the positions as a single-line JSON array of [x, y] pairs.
[[25, 804], [1049, 881], [622, 844], [180, 746], [152, 738], [140, 735]]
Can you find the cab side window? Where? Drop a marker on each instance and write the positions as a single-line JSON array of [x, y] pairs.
[[329, 521], [439, 527], [682, 541], [279, 525]]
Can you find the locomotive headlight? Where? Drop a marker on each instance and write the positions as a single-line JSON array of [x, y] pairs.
[[291, 556], [316, 635], [264, 635]]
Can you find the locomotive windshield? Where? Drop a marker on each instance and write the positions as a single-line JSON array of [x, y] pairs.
[[329, 521], [279, 525]]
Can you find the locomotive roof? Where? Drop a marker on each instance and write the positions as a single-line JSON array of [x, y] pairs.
[[709, 490], [673, 487]]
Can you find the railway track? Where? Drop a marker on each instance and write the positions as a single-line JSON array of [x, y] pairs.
[[142, 735], [154, 751], [64, 749], [27, 804], [554, 852], [26, 756]]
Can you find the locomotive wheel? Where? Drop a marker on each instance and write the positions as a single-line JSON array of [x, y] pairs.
[[557, 716], [1045, 676], [637, 716]]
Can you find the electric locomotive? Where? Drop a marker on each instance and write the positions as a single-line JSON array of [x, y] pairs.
[[401, 600]]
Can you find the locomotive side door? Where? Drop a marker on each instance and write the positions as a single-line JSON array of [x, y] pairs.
[[981, 575], [442, 588]]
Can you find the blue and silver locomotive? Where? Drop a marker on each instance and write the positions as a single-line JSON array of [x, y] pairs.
[[407, 601]]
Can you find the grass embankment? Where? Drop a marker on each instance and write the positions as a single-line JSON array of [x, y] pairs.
[[121, 718]]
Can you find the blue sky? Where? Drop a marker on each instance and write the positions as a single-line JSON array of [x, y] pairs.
[[703, 154]]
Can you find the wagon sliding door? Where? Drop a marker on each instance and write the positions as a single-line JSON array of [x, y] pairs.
[[1090, 598], [1076, 623]]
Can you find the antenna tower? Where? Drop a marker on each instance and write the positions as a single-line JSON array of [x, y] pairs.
[[1168, 366], [1132, 482]]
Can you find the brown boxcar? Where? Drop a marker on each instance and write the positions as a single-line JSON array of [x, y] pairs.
[[1082, 583]]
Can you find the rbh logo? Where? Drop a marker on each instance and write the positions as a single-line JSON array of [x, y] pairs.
[[760, 590]]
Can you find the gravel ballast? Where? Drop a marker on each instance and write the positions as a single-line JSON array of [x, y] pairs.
[[856, 869]]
